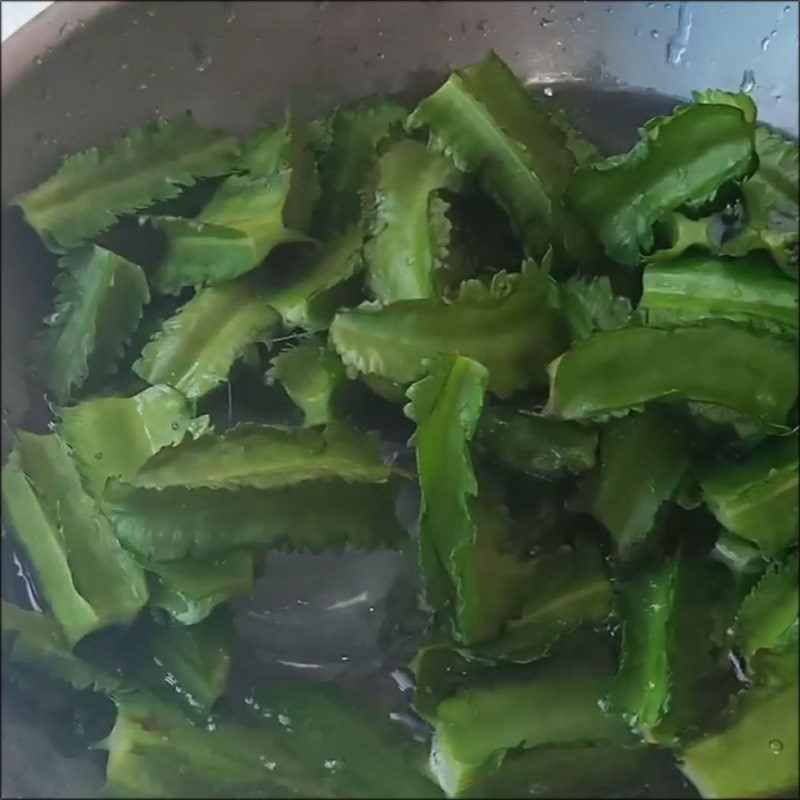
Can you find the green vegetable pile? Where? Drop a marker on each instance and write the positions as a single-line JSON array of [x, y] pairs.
[[594, 361]]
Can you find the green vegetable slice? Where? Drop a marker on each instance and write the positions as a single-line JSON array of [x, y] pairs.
[[612, 372], [483, 118], [642, 685], [757, 498], [266, 457], [172, 524], [189, 590], [697, 288], [596, 770], [311, 299], [99, 302], [679, 159], [91, 189], [328, 748], [567, 589], [536, 445], [347, 163], [769, 199], [186, 665], [407, 252], [466, 570], [85, 576], [642, 459], [667, 681], [755, 753], [767, 619], [511, 328], [476, 726], [112, 437], [313, 377], [776, 180], [195, 349], [290, 148], [232, 234], [591, 305], [35, 640]]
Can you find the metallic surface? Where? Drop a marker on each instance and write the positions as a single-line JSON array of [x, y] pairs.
[[81, 73]]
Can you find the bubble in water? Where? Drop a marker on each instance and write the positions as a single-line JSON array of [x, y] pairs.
[[548, 91], [748, 81], [776, 745], [202, 59]]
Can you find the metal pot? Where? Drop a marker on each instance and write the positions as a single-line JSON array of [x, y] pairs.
[[81, 73]]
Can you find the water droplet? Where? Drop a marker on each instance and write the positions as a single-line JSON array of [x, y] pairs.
[[202, 59], [483, 26], [151, 12], [381, 56], [534, 10], [141, 86], [228, 12], [134, 22], [284, 720], [786, 9], [748, 81], [654, 34], [98, 456], [38, 61], [546, 23], [548, 91], [776, 745], [764, 43], [331, 763], [637, 30], [123, 66], [270, 765], [679, 41], [651, 5]]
